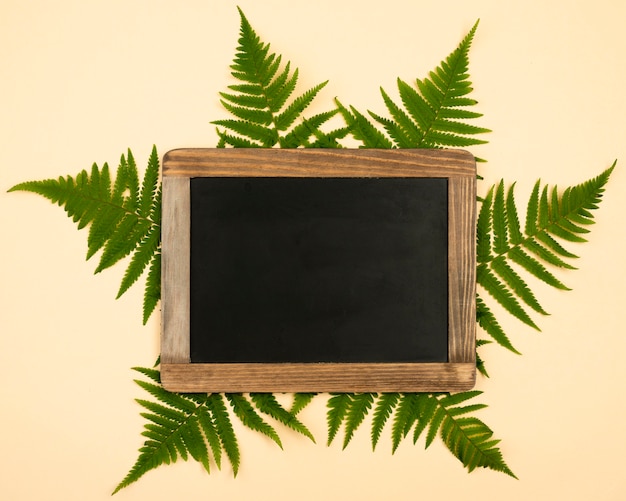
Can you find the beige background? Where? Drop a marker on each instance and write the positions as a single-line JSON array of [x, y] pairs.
[[81, 81]]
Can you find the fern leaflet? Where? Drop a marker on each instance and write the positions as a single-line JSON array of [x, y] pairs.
[[433, 113], [249, 417], [267, 403], [468, 438], [550, 220], [180, 426], [384, 408], [124, 218], [300, 401], [338, 406], [360, 404], [262, 117]]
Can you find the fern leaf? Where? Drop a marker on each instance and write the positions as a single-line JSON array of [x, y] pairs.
[[480, 364], [433, 113], [469, 439], [123, 218], [293, 111], [435, 420], [211, 433], [556, 248], [267, 403], [500, 221], [405, 416], [152, 292], [514, 227], [550, 219], [534, 267], [420, 411], [300, 401], [248, 416], [174, 429], [162, 411], [176, 400], [338, 406], [103, 227], [149, 186], [249, 114], [144, 254], [260, 105], [532, 210], [194, 442], [425, 409], [401, 128], [448, 408], [488, 322], [362, 129], [224, 429], [260, 135], [483, 230], [308, 133], [123, 241], [150, 373], [328, 139], [515, 282], [384, 408], [234, 141], [488, 280], [359, 407]]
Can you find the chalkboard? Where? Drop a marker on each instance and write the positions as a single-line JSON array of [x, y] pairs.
[[318, 270]]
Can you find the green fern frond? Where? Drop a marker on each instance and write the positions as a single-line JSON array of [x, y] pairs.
[[224, 429], [480, 364], [359, 407], [300, 401], [440, 414], [433, 113], [260, 105], [552, 222], [384, 408], [180, 426], [124, 218], [405, 417], [338, 406], [487, 320], [212, 434], [267, 403], [244, 410], [308, 133], [486, 277], [152, 292], [362, 129], [468, 438]]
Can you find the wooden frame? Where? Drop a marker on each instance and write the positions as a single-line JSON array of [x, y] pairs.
[[179, 374]]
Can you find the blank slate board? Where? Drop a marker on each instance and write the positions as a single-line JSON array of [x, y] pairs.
[[318, 270]]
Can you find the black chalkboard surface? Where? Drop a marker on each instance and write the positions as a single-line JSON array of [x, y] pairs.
[[318, 270]]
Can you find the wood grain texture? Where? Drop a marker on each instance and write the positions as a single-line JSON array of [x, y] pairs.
[[326, 377], [270, 162], [178, 374], [462, 269], [175, 249]]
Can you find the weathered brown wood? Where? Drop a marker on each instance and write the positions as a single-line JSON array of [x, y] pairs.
[[327, 377], [178, 374], [461, 269], [270, 162], [175, 248]]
